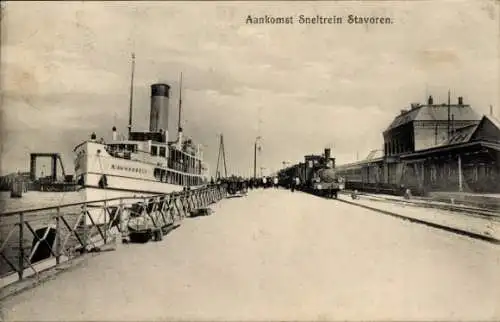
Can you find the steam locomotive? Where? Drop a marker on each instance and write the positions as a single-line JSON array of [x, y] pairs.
[[317, 175]]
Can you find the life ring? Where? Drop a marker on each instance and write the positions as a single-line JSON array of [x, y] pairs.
[[103, 182]]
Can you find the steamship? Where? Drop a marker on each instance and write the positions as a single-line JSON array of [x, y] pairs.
[[144, 163]]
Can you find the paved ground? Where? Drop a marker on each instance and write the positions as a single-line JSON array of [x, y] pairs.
[[277, 255]]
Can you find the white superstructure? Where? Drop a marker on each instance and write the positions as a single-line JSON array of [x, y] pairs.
[[144, 163], [131, 167]]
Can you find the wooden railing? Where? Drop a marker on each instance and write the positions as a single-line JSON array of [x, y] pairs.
[[34, 240]]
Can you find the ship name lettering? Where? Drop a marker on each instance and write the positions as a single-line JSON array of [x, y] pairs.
[[130, 169]]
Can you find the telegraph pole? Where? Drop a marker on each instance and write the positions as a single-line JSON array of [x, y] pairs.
[[255, 157], [449, 118], [222, 155], [255, 160]]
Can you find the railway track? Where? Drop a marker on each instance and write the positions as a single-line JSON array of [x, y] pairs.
[[458, 208], [486, 216], [460, 231]]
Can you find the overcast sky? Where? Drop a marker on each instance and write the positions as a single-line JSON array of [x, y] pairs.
[[65, 71]]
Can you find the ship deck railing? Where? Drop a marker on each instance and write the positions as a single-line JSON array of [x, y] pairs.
[[37, 239]]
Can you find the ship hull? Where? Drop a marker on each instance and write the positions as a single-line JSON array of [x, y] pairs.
[[123, 187], [103, 177]]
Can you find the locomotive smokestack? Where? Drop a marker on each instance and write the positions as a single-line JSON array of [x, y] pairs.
[[158, 117], [328, 153]]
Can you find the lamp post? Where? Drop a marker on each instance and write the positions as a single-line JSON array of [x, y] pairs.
[[255, 157]]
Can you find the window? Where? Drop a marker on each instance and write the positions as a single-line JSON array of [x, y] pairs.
[[162, 151], [154, 150], [157, 174]]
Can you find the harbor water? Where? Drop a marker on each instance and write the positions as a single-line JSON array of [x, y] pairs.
[[9, 225], [36, 199]]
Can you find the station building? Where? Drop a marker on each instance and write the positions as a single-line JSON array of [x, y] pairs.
[[443, 147]]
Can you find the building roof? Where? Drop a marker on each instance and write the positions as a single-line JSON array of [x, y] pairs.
[[404, 118], [488, 130], [434, 113], [462, 135], [374, 154], [486, 133], [449, 148], [492, 119]]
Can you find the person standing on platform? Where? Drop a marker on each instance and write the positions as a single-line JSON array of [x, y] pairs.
[[275, 182], [296, 183]]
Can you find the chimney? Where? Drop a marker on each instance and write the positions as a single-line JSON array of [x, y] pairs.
[[460, 100], [114, 133], [158, 117], [491, 110], [430, 101]]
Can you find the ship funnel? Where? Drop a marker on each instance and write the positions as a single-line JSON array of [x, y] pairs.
[[114, 133], [165, 139], [328, 153], [158, 117]]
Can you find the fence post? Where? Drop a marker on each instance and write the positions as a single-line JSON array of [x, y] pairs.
[[21, 246], [85, 227], [58, 236], [123, 228], [105, 222]]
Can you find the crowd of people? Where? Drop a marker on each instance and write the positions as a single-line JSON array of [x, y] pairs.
[[239, 184]]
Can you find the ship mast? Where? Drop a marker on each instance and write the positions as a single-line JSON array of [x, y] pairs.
[[179, 128], [131, 96]]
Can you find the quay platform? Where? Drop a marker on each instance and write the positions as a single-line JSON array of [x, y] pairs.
[[279, 255], [484, 201], [487, 200]]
